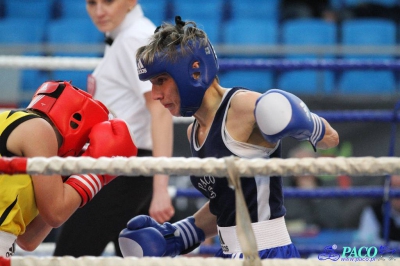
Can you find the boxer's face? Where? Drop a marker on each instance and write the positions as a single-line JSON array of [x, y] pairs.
[[165, 90], [108, 14]]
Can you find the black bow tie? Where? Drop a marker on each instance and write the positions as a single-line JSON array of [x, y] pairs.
[[108, 40]]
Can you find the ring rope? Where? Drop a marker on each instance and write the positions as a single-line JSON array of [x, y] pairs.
[[207, 166], [90, 63], [332, 116], [232, 167], [179, 261]]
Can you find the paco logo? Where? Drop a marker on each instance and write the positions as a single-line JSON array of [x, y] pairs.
[[206, 183], [355, 254]]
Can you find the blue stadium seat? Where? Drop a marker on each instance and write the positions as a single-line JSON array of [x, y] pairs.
[[367, 82], [32, 79], [359, 32], [247, 31], [212, 27], [38, 9], [255, 80], [155, 10], [73, 9], [73, 31], [307, 32], [250, 31], [196, 10], [29, 82], [368, 32], [21, 30], [78, 78], [255, 9], [206, 14], [25, 32], [306, 81]]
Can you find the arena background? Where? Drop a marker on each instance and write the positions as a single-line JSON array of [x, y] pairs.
[[365, 138]]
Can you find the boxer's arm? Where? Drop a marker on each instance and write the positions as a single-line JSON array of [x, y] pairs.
[[206, 221], [35, 233], [161, 208]]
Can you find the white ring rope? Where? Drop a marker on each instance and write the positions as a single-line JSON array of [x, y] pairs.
[[49, 62], [355, 166], [180, 261], [231, 167]]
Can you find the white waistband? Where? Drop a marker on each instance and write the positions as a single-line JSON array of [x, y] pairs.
[[269, 234], [6, 244]]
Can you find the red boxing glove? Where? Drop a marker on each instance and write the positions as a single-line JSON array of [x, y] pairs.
[[110, 138], [107, 139]]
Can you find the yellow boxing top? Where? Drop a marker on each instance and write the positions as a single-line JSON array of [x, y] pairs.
[[17, 198]]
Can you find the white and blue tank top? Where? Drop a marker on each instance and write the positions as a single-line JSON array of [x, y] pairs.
[[263, 194]]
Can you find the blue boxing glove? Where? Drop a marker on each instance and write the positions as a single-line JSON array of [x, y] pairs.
[[145, 237], [281, 114]]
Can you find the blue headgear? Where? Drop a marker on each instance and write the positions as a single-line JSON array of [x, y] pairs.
[[191, 90]]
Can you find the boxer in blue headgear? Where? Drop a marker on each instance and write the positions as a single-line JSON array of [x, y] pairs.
[[192, 82], [181, 64]]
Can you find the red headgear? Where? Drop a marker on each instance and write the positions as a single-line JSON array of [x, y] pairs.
[[72, 111]]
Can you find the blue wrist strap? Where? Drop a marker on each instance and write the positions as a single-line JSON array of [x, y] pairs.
[[189, 232], [318, 132], [191, 235]]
